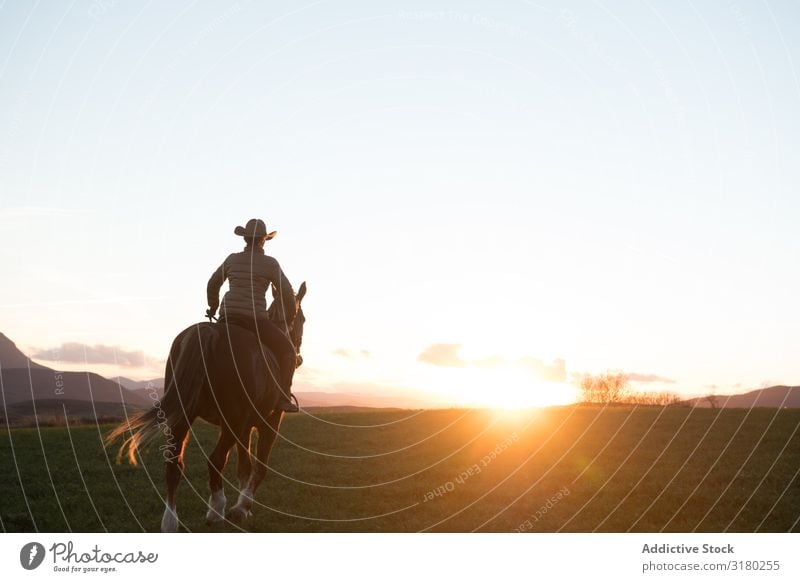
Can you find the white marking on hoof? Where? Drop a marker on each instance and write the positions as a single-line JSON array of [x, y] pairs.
[[238, 514], [216, 507], [245, 500], [169, 523]]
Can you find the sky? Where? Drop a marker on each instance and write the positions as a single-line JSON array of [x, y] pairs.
[[484, 198]]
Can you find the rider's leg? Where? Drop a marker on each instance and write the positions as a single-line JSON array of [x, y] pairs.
[[282, 347]]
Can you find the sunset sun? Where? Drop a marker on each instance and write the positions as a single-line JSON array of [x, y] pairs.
[[502, 386], [511, 388]]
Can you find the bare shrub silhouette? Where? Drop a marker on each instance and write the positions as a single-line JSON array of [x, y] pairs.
[[614, 387]]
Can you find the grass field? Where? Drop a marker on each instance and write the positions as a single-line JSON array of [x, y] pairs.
[[561, 469]]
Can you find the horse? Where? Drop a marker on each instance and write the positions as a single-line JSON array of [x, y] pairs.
[[221, 373]]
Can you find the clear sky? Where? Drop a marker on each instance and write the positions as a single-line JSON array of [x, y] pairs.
[[473, 190]]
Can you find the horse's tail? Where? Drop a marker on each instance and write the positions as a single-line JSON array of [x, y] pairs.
[[184, 380]]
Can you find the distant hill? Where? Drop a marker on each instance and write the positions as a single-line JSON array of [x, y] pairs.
[[134, 385], [776, 396], [19, 385], [24, 380], [143, 388]]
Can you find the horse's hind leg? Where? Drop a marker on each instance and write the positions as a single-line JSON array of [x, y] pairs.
[[173, 454], [216, 464], [267, 432]]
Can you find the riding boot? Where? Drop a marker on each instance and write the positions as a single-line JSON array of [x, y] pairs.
[[286, 402]]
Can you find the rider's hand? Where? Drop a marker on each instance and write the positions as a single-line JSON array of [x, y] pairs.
[[211, 312]]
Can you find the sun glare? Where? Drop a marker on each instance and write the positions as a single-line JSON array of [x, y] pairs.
[[501, 387]]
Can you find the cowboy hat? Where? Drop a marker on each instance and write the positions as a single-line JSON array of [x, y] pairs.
[[256, 228]]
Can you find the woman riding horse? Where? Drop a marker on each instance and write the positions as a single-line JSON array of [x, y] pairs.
[[220, 373], [250, 274]]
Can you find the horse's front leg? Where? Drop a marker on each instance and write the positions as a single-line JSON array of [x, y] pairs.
[[244, 465], [216, 464], [267, 432]]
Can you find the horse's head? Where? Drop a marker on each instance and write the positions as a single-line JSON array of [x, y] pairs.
[[296, 329]]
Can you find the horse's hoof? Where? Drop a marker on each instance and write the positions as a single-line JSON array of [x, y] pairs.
[[237, 515], [214, 517], [216, 508], [169, 522]]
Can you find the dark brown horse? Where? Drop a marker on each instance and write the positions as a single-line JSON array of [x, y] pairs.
[[223, 374]]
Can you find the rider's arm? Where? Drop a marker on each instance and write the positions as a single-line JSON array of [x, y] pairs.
[[214, 285]]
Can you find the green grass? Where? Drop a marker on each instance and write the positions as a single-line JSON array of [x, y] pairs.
[[624, 468]]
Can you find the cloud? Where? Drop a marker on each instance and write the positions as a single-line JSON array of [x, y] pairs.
[[635, 377], [555, 372], [352, 354], [445, 355], [75, 352]]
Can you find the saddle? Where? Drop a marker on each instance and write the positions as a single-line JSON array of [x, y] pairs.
[[247, 323], [243, 321]]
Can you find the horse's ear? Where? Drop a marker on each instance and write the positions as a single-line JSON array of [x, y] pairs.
[[302, 292]]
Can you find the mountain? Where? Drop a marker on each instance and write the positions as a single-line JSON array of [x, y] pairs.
[[22, 379], [773, 397], [12, 357]]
